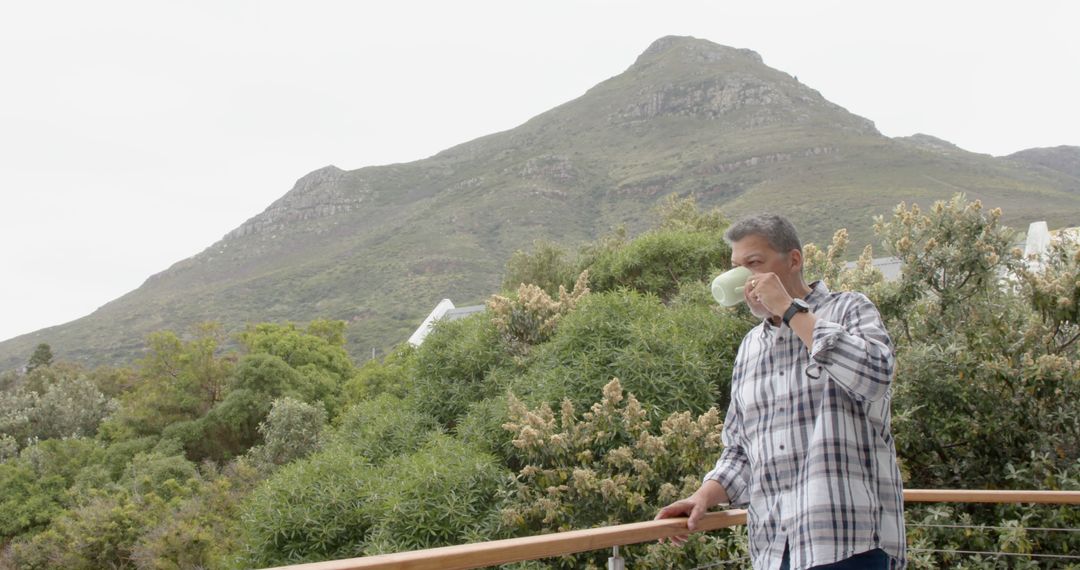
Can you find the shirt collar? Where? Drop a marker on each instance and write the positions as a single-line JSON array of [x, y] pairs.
[[819, 292]]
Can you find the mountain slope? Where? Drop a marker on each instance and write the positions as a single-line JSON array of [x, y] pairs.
[[1064, 159], [379, 246]]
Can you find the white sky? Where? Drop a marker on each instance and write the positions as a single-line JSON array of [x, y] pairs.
[[135, 134]]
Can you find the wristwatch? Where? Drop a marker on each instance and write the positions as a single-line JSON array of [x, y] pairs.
[[797, 306]]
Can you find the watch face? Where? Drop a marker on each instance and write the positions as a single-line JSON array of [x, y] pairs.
[[802, 305]]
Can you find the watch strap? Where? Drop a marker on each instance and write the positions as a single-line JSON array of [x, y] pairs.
[[794, 309]]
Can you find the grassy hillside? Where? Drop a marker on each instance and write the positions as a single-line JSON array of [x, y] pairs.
[[379, 246], [1064, 159]]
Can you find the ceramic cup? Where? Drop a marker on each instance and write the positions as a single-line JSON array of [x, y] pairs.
[[728, 287]]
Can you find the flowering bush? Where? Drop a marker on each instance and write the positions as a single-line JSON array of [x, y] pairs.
[[610, 466], [531, 317]]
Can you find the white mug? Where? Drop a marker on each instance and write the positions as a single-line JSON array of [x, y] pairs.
[[728, 287]]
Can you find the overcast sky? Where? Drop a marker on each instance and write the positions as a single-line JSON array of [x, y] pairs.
[[136, 134]]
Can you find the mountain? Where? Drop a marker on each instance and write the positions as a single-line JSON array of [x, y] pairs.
[[1064, 159], [379, 246]]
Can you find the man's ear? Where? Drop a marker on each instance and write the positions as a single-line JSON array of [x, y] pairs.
[[795, 261]]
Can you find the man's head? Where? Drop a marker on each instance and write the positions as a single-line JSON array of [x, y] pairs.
[[777, 231], [768, 243]]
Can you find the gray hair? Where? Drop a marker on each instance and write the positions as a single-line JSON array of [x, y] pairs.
[[777, 229]]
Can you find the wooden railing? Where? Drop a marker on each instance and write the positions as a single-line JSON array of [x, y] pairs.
[[482, 554]]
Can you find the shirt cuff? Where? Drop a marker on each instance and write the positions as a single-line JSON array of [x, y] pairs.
[[732, 481], [826, 335]]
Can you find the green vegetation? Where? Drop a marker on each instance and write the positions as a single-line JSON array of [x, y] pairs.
[[556, 409], [42, 356]]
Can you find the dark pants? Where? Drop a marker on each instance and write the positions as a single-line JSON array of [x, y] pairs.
[[875, 559]]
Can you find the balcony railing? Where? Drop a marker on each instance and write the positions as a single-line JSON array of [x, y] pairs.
[[492, 553]]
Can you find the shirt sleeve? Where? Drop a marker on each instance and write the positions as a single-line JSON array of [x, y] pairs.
[[857, 354], [732, 470]]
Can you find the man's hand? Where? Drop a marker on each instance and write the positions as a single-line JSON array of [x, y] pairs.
[[765, 292], [693, 507]]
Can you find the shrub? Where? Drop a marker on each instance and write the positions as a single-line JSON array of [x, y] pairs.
[[177, 381], [1053, 289], [829, 266], [292, 430], [9, 448], [230, 428], [17, 409], [72, 408], [310, 510], [116, 456], [546, 267], [675, 213], [320, 507], [674, 359], [321, 345], [481, 428], [166, 476], [956, 253], [443, 494], [392, 375], [453, 365], [382, 428], [611, 466], [268, 374], [34, 487], [198, 532], [67, 405], [531, 317], [658, 261], [100, 534]]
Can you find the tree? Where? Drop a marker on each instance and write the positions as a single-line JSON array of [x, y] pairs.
[[954, 257], [317, 353], [178, 380], [42, 356]]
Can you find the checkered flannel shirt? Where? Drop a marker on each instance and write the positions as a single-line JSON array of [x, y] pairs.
[[807, 441]]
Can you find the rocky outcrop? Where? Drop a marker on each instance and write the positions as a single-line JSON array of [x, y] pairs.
[[317, 195], [930, 143], [707, 100], [551, 168], [693, 48], [730, 86]]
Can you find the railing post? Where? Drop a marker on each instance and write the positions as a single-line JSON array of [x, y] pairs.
[[616, 562]]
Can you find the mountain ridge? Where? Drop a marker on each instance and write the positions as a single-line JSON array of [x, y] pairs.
[[380, 245], [1063, 158]]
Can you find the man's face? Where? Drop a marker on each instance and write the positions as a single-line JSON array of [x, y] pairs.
[[754, 253]]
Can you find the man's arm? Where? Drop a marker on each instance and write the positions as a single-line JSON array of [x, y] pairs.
[[857, 353], [726, 483]]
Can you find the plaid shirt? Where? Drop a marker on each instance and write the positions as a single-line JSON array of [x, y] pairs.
[[807, 442]]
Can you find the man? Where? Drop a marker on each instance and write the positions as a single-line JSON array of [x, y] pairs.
[[807, 441]]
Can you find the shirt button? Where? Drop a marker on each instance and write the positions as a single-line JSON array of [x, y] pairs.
[[781, 372], [780, 409], [781, 446], [783, 529]]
